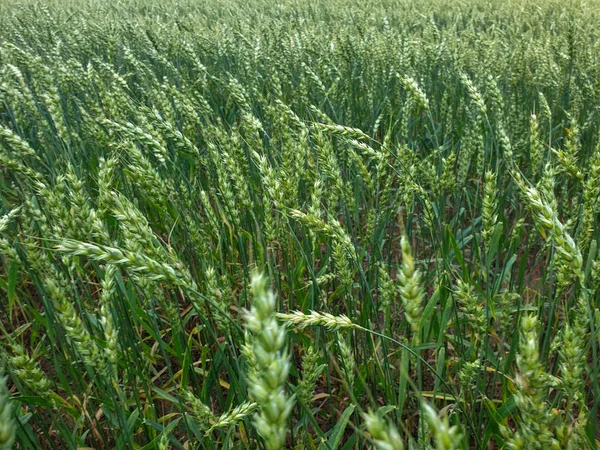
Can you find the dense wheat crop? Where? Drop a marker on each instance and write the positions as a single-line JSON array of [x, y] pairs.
[[310, 225]]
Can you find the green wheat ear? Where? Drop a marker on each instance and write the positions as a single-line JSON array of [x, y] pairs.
[[411, 290], [446, 436], [384, 434], [8, 429], [268, 365]]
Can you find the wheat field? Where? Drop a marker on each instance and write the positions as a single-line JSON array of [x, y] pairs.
[[304, 225]]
